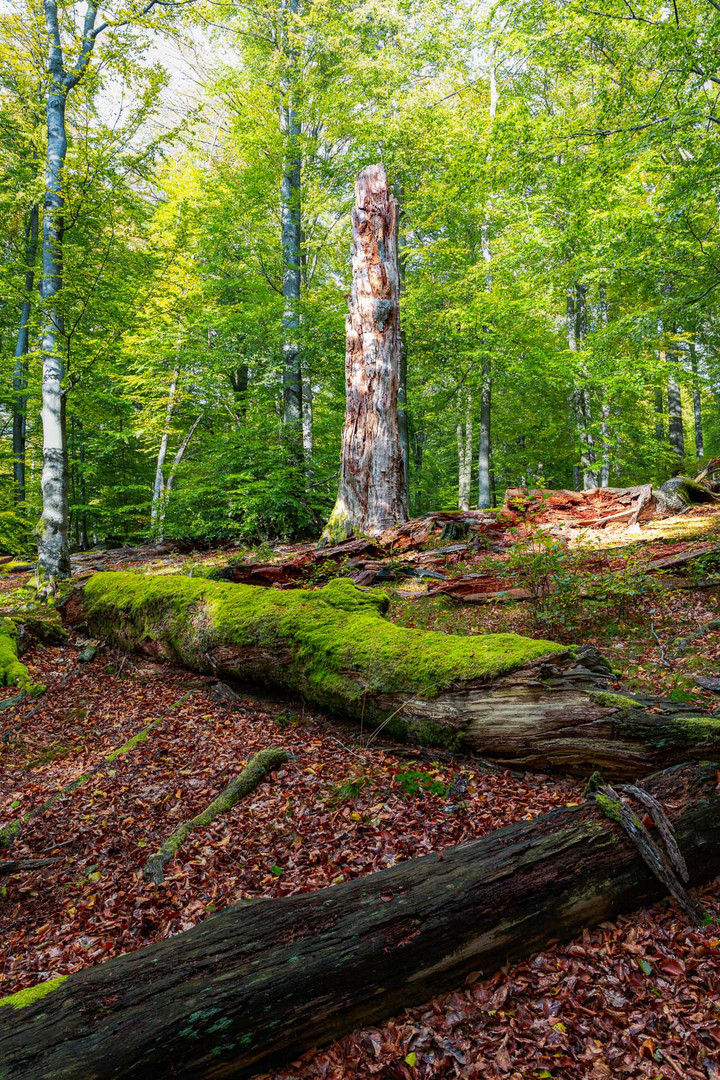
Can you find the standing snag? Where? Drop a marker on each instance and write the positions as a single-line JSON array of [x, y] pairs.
[[373, 490]]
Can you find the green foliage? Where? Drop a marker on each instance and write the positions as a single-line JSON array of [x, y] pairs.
[[351, 789], [414, 782], [561, 579], [539, 153]]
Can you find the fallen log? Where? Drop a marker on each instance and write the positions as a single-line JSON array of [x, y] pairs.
[[16, 866], [516, 701], [261, 982]]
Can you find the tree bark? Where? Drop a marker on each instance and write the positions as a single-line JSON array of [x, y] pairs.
[[577, 331], [261, 982], [485, 495], [53, 545], [373, 495], [604, 475], [697, 404], [22, 349], [517, 701], [291, 242], [675, 417], [465, 448], [159, 482]]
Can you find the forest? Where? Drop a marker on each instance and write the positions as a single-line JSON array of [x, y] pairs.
[[359, 539]]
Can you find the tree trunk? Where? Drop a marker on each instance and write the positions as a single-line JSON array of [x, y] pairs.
[[605, 406], [165, 492], [402, 410], [675, 417], [465, 448], [307, 423], [485, 494], [659, 415], [517, 701], [372, 496], [159, 482], [697, 404], [291, 242], [53, 546], [263, 981], [239, 380], [577, 331], [22, 349]]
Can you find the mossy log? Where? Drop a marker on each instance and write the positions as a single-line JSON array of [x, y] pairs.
[[513, 700], [261, 982], [259, 766], [12, 671]]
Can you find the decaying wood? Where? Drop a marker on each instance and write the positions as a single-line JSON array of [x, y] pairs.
[[373, 494], [657, 859], [554, 713], [257, 984], [15, 866], [259, 766]]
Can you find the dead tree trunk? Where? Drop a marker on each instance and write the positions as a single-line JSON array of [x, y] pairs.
[[373, 493], [261, 982], [514, 700]]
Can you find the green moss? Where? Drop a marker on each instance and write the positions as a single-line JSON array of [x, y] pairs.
[[12, 672], [609, 808], [32, 994], [330, 644], [613, 701]]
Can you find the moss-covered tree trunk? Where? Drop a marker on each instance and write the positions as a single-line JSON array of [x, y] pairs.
[[260, 983], [514, 700]]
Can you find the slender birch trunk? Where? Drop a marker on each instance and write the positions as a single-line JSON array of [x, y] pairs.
[[485, 477], [165, 493], [372, 494], [291, 245], [403, 426], [577, 330], [159, 483], [660, 411], [485, 494], [22, 349], [307, 422], [675, 417], [53, 545], [697, 404], [605, 404], [465, 449]]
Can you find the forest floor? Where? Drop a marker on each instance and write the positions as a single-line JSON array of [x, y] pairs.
[[639, 997]]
